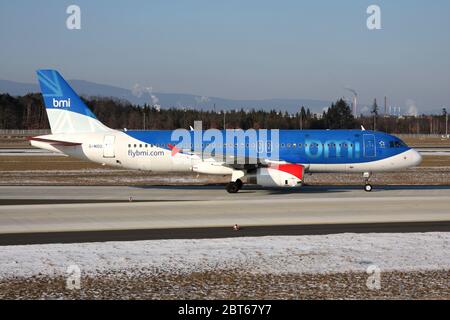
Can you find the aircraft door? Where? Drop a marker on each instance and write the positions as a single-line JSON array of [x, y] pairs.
[[369, 145], [108, 146]]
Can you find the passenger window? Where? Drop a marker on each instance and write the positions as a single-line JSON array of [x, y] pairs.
[[135, 145], [129, 145]]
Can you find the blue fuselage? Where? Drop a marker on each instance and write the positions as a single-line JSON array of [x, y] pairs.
[[293, 146]]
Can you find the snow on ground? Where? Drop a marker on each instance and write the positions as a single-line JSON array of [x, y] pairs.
[[275, 255]]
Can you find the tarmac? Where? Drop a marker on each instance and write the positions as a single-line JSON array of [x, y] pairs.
[[53, 214]]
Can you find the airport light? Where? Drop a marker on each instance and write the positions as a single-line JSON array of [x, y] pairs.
[[444, 111]]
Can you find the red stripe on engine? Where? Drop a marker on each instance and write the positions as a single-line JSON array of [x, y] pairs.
[[294, 169]]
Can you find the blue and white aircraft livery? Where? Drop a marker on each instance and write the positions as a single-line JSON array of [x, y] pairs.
[[269, 158]]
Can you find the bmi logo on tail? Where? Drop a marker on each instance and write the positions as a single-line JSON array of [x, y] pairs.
[[63, 103]]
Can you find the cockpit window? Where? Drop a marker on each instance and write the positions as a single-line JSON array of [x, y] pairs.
[[397, 144]]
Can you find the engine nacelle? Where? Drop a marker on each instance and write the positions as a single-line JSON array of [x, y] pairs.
[[283, 175]]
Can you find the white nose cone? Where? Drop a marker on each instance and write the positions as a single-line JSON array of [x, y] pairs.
[[414, 158]]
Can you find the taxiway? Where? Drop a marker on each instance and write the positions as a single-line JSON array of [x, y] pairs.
[[43, 214]]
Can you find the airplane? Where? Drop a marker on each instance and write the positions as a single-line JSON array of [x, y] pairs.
[[270, 158]]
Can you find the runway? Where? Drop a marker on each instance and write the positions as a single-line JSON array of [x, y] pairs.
[[45, 214]]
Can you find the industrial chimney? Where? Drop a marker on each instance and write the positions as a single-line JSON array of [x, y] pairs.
[[354, 101]]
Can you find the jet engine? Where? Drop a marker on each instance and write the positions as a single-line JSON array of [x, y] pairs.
[[283, 175]]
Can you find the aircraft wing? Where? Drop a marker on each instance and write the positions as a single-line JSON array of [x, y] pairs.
[[238, 161]]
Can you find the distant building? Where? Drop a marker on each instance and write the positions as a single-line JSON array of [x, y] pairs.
[[318, 115]]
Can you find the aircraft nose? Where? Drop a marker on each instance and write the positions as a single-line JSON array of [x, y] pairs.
[[415, 157]]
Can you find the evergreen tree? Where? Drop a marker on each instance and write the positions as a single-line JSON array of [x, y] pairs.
[[339, 116]]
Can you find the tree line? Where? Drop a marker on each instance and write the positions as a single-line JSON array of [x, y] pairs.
[[28, 112]]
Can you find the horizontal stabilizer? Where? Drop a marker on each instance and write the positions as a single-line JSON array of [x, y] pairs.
[[54, 142]]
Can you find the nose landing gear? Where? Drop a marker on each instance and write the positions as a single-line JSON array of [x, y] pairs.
[[367, 185]]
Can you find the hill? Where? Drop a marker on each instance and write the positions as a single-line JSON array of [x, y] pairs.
[[169, 100]]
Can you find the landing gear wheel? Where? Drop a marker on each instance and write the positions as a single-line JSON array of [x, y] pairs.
[[367, 176], [232, 187], [239, 183]]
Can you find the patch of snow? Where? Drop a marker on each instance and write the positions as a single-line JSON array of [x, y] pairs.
[[274, 255]]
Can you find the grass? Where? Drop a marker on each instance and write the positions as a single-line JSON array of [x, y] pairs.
[[435, 161], [432, 141], [25, 163], [224, 284]]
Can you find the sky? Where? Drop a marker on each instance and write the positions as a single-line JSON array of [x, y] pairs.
[[253, 49]]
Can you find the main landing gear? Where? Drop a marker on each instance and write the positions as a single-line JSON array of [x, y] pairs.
[[234, 186], [367, 185]]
